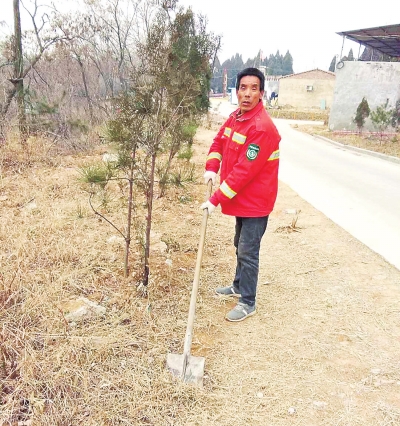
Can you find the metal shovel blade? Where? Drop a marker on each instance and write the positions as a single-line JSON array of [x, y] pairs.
[[188, 368], [194, 368]]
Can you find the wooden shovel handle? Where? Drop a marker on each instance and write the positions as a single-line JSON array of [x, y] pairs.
[[195, 286]]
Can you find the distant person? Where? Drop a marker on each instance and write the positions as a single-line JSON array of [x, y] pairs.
[[273, 97], [246, 151]]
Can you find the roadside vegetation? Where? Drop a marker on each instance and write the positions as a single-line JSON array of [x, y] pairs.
[[96, 124], [296, 114], [79, 342], [385, 144], [385, 139]]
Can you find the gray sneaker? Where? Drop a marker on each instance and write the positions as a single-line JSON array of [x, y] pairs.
[[240, 312], [227, 291]]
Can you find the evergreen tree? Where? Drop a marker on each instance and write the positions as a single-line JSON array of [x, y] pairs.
[[249, 63], [271, 65], [332, 66], [278, 70], [350, 56], [287, 64], [275, 65], [233, 66], [382, 117], [265, 63], [362, 113], [396, 115], [155, 119], [217, 63], [256, 61], [370, 54]]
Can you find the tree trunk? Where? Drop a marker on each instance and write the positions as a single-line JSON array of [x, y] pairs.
[[18, 79], [10, 95], [86, 88], [163, 180], [129, 221], [150, 193]]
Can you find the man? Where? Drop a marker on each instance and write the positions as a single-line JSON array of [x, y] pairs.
[[248, 147]]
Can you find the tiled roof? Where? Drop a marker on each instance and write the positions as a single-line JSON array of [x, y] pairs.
[[306, 72]]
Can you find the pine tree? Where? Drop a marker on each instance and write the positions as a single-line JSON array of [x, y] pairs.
[[287, 64], [278, 63], [350, 56], [381, 118], [155, 119], [332, 66], [361, 114], [370, 54], [233, 66], [396, 115], [249, 63], [271, 65]]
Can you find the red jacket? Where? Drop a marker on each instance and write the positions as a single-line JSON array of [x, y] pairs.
[[248, 147]]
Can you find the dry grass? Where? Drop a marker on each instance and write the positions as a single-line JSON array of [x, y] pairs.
[[295, 114], [327, 318], [104, 370], [389, 145], [290, 228]]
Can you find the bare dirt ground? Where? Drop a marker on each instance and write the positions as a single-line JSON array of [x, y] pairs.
[[323, 349]]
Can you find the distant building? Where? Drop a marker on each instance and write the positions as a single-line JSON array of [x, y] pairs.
[[309, 89]]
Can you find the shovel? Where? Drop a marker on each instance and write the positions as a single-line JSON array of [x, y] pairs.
[[190, 368]]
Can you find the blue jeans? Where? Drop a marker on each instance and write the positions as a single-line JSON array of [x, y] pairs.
[[248, 234]]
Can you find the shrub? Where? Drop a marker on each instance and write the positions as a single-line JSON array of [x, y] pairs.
[[396, 115], [362, 113], [381, 118]]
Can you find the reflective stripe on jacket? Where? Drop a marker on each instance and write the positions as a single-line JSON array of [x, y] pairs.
[[247, 151]]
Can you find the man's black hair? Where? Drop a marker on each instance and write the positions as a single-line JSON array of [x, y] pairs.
[[251, 71]]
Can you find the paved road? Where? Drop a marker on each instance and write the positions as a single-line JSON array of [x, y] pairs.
[[359, 192]]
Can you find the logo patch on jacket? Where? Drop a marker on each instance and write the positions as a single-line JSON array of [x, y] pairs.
[[252, 151]]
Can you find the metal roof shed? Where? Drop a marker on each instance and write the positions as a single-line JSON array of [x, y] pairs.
[[383, 39]]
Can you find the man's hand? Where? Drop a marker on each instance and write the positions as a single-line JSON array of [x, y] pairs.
[[209, 206], [210, 175]]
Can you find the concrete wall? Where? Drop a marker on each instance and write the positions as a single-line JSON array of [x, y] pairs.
[[293, 90], [376, 81]]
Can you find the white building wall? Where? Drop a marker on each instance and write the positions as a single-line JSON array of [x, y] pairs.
[[378, 82]]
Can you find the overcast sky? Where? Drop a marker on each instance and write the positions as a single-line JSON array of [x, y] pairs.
[[307, 28]]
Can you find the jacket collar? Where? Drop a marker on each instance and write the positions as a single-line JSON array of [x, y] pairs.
[[249, 114]]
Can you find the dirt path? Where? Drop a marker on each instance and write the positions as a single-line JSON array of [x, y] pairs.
[[324, 346]]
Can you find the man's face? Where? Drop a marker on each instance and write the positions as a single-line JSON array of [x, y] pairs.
[[249, 93]]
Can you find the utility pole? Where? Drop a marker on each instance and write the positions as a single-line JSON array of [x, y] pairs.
[[215, 57], [225, 82]]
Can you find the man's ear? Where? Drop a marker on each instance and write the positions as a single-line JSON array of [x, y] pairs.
[[262, 94]]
